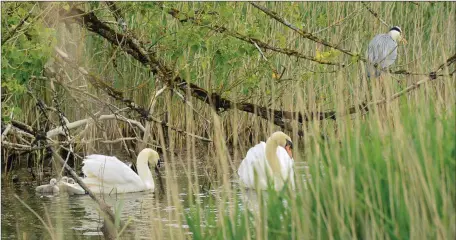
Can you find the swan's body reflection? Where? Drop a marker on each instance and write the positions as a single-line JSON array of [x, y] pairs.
[[250, 199], [141, 208]]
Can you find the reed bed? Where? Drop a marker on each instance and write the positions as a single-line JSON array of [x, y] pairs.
[[384, 174]]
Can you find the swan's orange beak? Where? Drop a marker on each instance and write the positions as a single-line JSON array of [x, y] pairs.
[[289, 148], [289, 151]]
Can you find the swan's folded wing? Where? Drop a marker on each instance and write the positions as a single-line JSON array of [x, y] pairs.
[[109, 170], [286, 164], [254, 161], [72, 188]]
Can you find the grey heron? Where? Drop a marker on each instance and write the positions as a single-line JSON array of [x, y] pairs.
[[382, 51]]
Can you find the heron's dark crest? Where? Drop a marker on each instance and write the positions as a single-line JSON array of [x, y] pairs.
[[396, 28]]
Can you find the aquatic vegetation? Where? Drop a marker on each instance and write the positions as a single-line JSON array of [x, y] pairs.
[[201, 83]]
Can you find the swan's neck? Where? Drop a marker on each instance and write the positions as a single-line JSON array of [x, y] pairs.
[[271, 156], [143, 169]]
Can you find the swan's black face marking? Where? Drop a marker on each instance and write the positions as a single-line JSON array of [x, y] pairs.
[[289, 143], [159, 163]]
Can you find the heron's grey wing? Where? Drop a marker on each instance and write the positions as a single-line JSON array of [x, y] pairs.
[[372, 55], [389, 51], [381, 53], [382, 50]]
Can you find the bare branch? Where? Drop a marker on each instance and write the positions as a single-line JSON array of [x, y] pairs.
[[98, 83], [259, 50], [5, 132], [338, 22], [375, 15], [432, 76], [22, 126], [82, 122], [448, 62], [190, 105], [115, 10]]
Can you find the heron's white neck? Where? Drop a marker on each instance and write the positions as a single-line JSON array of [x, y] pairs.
[[271, 156], [395, 35], [143, 170]]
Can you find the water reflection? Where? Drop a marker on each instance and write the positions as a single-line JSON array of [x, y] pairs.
[[150, 215]]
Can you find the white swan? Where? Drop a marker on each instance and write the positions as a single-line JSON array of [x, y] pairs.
[[62, 180], [62, 183], [106, 174], [273, 158], [48, 188], [68, 185]]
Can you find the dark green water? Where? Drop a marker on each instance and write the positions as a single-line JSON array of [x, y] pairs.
[[77, 217]]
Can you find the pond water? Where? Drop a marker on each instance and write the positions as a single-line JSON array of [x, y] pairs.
[[77, 217]]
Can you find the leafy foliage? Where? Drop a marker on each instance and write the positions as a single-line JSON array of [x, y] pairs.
[[23, 54]]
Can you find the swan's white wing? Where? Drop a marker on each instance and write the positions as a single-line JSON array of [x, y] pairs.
[[72, 188], [48, 188], [286, 164], [109, 171], [254, 161]]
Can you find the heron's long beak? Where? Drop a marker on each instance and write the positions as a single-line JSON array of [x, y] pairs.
[[403, 40]]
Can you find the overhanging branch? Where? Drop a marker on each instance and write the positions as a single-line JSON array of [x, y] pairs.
[[132, 47], [221, 29], [302, 32]]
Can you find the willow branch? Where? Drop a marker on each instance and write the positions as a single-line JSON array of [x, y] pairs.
[[130, 45], [12, 32], [253, 41], [303, 33]]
